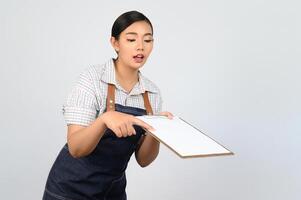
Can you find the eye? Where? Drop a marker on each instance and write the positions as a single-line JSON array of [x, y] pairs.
[[149, 40], [131, 40]]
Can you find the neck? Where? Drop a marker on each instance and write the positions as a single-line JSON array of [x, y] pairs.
[[125, 75]]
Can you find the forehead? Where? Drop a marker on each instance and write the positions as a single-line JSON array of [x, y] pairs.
[[138, 28]]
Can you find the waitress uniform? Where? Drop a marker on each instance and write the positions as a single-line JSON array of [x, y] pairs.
[[101, 174]]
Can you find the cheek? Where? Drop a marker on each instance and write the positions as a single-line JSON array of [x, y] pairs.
[[149, 48], [126, 49], [127, 46]]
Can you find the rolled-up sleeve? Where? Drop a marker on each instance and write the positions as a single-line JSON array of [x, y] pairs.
[[80, 106]]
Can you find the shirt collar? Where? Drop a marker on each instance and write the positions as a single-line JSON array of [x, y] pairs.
[[143, 84]]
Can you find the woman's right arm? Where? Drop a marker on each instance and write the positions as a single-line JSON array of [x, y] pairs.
[[82, 140]]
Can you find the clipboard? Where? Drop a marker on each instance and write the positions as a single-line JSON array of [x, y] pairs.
[[183, 138]]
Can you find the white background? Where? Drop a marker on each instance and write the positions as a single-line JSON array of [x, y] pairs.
[[231, 68]]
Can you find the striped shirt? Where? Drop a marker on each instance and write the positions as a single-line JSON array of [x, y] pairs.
[[87, 99]]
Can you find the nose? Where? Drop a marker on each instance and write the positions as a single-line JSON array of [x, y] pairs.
[[140, 45]]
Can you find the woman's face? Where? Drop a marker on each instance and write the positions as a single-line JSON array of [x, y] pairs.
[[134, 45]]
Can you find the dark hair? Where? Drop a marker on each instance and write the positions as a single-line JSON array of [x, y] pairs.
[[125, 20]]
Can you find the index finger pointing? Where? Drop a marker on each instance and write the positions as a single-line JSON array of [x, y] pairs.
[[139, 122]]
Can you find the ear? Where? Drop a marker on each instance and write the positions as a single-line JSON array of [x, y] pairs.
[[114, 43]]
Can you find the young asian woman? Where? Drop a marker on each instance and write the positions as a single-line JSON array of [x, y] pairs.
[[100, 111]]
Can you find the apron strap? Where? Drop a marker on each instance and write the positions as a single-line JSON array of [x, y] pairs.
[[147, 105], [111, 100], [111, 97]]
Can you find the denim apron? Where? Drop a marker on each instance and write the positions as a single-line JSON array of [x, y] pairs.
[[101, 174]]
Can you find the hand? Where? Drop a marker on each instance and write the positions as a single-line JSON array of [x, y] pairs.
[[167, 114], [122, 124]]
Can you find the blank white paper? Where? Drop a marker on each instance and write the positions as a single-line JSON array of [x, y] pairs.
[[183, 138]]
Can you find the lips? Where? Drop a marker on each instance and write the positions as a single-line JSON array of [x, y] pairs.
[[138, 58]]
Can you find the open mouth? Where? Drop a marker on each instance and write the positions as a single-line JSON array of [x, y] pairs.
[[138, 58]]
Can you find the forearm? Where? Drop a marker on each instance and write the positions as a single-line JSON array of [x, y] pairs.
[[84, 141], [148, 151]]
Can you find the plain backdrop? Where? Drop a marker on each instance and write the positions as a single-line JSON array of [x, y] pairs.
[[231, 68]]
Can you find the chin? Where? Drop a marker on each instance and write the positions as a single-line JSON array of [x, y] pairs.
[[137, 65]]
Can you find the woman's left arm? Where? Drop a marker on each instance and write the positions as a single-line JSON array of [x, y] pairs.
[[148, 147]]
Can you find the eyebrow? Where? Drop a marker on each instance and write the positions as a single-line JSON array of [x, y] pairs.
[[134, 33]]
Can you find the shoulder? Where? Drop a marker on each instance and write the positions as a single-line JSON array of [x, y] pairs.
[[91, 75], [88, 80], [93, 72], [99, 72]]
